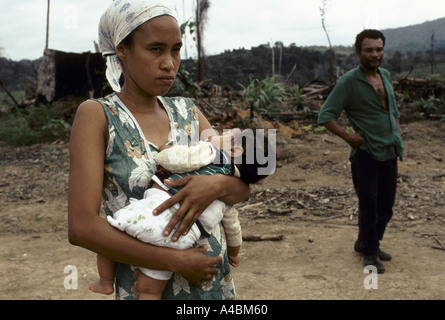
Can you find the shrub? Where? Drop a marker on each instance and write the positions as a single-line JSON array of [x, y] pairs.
[[431, 108], [37, 124], [265, 94]]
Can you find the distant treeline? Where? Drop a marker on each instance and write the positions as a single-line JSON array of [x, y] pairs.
[[302, 65], [235, 68], [15, 74], [296, 64]]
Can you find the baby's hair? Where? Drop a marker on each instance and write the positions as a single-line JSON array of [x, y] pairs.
[[254, 157]]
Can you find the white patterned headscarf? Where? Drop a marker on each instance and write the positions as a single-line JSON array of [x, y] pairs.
[[117, 22]]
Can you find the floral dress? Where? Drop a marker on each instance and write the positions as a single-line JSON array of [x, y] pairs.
[[129, 166]]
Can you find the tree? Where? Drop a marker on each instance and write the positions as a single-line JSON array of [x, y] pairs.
[[323, 9], [202, 7], [432, 54]]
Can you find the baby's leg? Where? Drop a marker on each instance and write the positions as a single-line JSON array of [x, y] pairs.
[[105, 283], [150, 288]]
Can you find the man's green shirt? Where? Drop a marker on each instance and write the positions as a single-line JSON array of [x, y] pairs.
[[364, 108]]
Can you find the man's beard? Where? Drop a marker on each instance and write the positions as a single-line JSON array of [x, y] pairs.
[[371, 66]]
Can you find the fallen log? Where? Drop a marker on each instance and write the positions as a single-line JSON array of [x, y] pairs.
[[442, 246], [280, 212], [272, 237], [314, 92]]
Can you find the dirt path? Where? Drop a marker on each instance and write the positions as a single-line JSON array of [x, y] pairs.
[[309, 201]]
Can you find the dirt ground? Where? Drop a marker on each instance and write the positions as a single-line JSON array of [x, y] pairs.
[[308, 204]]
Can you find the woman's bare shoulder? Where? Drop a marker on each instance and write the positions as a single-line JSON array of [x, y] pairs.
[[90, 109], [90, 106], [90, 117]]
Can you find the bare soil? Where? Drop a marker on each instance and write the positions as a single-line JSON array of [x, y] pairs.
[[309, 205]]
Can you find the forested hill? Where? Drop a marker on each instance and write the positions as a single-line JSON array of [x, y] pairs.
[[15, 74], [416, 37], [406, 47]]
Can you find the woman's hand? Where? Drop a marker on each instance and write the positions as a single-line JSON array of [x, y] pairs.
[[196, 195], [197, 267]]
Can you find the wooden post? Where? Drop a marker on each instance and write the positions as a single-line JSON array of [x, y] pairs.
[[47, 26]]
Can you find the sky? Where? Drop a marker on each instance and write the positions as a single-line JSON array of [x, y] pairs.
[[232, 24]]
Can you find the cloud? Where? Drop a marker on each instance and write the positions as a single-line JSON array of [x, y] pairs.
[[232, 23]]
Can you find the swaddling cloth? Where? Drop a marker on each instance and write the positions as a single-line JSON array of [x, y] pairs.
[[182, 159], [138, 221]]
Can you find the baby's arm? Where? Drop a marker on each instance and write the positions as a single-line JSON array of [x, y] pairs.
[[182, 159], [232, 228]]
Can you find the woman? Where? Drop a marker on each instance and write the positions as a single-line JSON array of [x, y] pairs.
[[113, 143]]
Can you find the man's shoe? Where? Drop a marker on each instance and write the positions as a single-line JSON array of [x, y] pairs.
[[374, 260], [384, 256]]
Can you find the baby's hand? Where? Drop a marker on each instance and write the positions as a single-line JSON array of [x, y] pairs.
[[234, 261], [233, 253]]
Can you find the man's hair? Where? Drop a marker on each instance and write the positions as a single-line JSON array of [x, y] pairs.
[[250, 163], [368, 33]]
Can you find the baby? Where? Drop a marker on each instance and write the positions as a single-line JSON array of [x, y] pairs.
[[218, 155]]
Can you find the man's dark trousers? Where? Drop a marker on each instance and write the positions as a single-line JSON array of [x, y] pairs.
[[375, 183]]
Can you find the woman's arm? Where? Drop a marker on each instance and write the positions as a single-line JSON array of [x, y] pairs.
[[198, 192], [87, 229]]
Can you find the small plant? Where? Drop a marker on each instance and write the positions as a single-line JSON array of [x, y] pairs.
[[431, 108], [297, 94], [265, 95]]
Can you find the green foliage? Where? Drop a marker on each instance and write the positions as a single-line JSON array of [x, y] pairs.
[[37, 124], [297, 93], [265, 94], [5, 100], [191, 28], [433, 107], [187, 86]]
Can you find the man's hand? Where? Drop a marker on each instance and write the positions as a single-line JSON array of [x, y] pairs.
[[355, 140]]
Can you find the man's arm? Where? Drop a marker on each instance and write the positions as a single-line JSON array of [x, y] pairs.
[[354, 140]]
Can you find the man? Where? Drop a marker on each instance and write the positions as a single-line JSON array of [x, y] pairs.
[[366, 95]]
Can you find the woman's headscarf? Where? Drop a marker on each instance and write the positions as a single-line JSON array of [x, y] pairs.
[[117, 22]]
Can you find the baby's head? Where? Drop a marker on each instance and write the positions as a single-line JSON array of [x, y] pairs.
[[250, 150]]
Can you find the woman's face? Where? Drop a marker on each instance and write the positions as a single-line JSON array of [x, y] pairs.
[[152, 61]]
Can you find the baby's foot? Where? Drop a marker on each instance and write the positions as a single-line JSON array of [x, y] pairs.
[[102, 286]]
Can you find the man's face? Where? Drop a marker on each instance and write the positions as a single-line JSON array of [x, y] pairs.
[[371, 53]]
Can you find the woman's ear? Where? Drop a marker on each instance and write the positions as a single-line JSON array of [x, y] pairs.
[[121, 51]]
